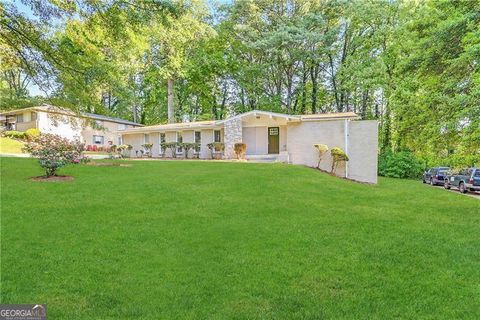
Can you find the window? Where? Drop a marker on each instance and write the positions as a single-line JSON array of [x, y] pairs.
[[179, 140], [217, 137], [146, 138], [19, 118], [197, 139], [161, 140], [98, 139]]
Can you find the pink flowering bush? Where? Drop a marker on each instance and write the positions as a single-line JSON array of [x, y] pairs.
[[54, 152]]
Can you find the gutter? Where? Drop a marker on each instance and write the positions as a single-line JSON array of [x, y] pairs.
[[346, 132]]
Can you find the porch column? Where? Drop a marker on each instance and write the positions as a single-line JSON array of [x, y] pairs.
[[232, 134]]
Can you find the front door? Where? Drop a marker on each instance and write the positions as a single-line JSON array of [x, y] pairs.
[[273, 140]]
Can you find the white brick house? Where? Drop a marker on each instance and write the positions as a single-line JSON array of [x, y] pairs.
[[275, 136]]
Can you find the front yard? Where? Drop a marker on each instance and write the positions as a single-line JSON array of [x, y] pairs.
[[211, 240]]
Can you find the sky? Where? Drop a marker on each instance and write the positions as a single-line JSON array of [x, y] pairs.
[[26, 10]]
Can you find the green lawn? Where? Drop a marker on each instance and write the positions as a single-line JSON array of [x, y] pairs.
[[8, 145], [214, 240]]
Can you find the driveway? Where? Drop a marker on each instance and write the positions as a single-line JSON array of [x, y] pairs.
[[475, 195]]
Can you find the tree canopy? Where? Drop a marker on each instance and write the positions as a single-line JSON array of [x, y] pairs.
[[413, 66]]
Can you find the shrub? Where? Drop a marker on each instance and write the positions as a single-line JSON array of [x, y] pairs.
[[123, 150], [401, 164], [172, 146], [322, 149], [216, 148], [240, 150], [54, 152], [15, 134], [187, 146], [338, 156], [32, 133], [147, 149]]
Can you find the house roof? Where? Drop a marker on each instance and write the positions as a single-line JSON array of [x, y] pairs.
[[330, 116], [214, 124], [54, 109], [288, 117]]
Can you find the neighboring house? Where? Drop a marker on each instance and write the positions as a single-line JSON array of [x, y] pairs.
[[91, 129], [275, 136]]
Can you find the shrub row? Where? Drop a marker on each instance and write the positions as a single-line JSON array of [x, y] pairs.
[[29, 135]]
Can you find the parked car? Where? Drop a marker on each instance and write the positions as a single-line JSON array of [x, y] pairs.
[[465, 180], [435, 176]]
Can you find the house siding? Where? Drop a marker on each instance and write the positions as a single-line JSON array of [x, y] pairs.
[[302, 136], [363, 150]]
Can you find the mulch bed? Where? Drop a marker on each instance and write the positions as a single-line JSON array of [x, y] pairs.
[[52, 178]]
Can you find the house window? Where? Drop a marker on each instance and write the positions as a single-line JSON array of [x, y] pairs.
[[19, 118], [217, 137], [98, 139], [179, 140], [146, 138], [198, 140], [161, 141]]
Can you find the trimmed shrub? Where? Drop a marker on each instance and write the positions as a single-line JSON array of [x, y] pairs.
[[401, 164], [54, 152], [216, 148], [148, 149], [338, 156], [187, 146], [15, 134], [240, 150], [172, 146], [322, 149], [123, 150], [32, 133]]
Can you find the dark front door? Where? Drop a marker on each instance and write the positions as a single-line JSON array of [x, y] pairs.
[[273, 140]]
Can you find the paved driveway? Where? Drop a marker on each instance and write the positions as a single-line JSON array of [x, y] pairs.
[[475, 195]]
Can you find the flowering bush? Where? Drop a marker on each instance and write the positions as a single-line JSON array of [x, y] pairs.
[[54, 152]]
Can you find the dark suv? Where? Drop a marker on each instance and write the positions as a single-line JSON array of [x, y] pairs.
[[435, 176], [465, 180]]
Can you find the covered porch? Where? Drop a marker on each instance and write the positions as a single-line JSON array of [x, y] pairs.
[[264, 133]]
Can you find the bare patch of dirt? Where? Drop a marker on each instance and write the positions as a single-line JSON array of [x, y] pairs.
[[52, 178]]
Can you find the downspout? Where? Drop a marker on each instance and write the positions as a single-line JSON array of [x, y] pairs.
[[346, 145]]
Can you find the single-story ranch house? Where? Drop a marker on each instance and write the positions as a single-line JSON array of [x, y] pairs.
[[268, 136], [274, 136], [91, 129]]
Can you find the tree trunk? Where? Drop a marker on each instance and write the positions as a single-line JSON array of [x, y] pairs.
[[170, 109]]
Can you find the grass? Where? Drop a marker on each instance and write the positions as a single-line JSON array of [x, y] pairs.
[[8, 146], [210, 240]]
